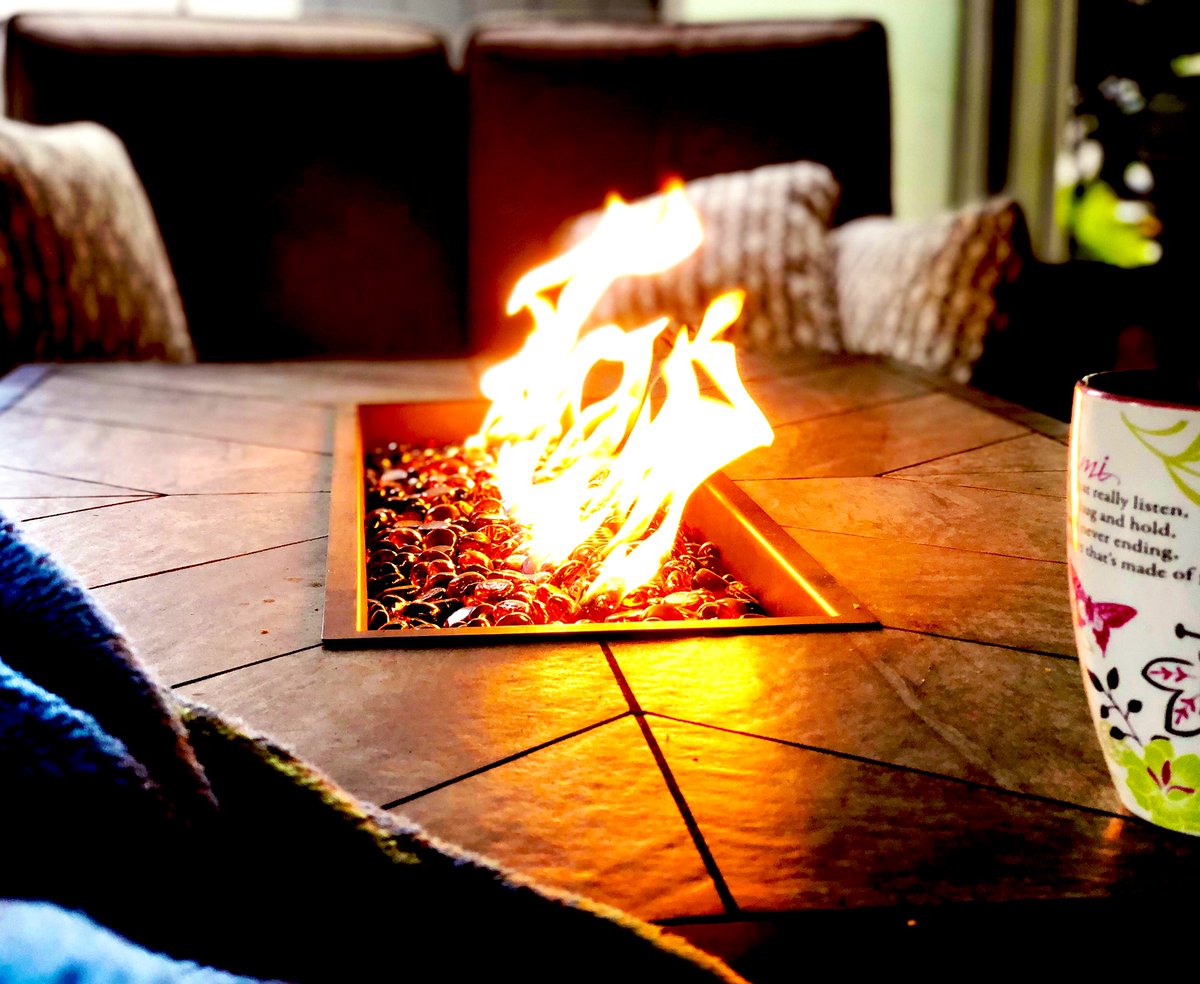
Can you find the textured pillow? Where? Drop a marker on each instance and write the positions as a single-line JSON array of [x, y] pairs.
[[766, 231], [929, 292], [83, 271]]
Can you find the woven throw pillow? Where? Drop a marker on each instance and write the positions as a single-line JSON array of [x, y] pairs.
[[929, 292], [765, 231], [83, 270]]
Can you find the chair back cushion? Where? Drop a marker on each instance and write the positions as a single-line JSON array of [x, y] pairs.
[[307, 176], [561, 114]]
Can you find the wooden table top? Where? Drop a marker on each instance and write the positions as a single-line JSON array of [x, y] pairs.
[[720, 786]]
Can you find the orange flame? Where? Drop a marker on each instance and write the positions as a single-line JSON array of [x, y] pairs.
[[573, 471]]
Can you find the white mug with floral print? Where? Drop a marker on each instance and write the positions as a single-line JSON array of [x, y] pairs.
[[1133, 552]]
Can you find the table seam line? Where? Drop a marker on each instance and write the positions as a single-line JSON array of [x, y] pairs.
[[241, 666], [162, 387], [205, 563], [862, 409], [103, 422], [82, 509], [284, 401], [73, 478], [506, 760], [896, 766], [1049, 653], [981, 488], [955, 454], [857, 408], [673, 788], [186, 495]]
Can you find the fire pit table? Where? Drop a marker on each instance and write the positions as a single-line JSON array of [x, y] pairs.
[[754, 792]]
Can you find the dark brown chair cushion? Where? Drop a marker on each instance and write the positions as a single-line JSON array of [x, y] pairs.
[[83, 272], [562, 114], [307, 176]]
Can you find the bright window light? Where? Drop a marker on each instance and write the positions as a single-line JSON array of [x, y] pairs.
[[93, 6], [243, 8], [199, 8]]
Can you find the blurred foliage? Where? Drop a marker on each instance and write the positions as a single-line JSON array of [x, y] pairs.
[[1127, 179], [1104, 227]]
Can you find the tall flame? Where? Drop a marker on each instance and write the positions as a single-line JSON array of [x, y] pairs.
[[574, 471]]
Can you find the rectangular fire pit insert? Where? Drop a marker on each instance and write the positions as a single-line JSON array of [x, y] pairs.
[[798, 594]]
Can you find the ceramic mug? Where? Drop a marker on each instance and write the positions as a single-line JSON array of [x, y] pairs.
[[1133, 550]]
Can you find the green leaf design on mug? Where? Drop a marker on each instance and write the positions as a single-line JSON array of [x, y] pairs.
[[1178, 465], [1167, 786]]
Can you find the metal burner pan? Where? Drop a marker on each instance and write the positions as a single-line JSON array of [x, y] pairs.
[[798, 594]]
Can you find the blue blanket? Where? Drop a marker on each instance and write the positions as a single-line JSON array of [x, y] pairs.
[[181, 832], [43, 944]]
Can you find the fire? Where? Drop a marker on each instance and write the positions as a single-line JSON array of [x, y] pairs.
[[615, 472]]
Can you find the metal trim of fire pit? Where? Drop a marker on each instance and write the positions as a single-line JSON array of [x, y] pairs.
[[799, 593]]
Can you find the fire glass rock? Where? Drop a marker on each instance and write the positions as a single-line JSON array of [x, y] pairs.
[[443, 552]]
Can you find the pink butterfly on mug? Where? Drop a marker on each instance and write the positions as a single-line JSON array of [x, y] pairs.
[[1102, 616]]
